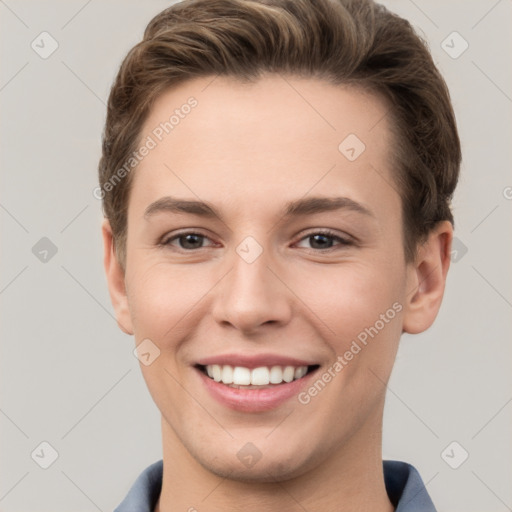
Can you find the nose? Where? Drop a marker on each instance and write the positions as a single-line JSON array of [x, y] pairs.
[[253, 295]]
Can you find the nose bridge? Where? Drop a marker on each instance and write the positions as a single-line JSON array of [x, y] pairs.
[[251, 294], [250, 275]]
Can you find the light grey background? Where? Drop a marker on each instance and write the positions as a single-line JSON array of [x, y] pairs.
[[68, 375]]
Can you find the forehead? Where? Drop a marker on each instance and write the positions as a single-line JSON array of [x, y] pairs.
[[252, 112], [221, 138]]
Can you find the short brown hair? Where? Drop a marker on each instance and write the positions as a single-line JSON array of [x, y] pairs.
[[353, 42]]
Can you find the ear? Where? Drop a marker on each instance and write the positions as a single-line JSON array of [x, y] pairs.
[[427, 278], [115, 280]]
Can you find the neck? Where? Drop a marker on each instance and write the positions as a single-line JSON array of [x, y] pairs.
[[350, 479]]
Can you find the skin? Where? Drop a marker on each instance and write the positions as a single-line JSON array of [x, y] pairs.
[[247, 149]]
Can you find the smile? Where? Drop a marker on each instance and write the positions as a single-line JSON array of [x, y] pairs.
[[256, 388], [235, 376]]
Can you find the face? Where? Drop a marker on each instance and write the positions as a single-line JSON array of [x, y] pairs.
[[263, 245]]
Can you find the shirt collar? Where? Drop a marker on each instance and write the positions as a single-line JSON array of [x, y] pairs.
[[404, 486]]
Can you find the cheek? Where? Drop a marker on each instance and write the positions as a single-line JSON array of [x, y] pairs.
[[162, 298], [350, 298]]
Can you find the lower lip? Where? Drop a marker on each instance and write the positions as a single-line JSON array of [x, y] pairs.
[[254, 400]]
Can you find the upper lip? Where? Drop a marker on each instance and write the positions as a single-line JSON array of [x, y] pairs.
[[254, 361]]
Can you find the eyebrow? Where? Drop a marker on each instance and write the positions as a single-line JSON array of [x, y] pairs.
[[295, 208]]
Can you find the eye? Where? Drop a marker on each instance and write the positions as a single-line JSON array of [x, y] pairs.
[[324, 240], [187, 241]]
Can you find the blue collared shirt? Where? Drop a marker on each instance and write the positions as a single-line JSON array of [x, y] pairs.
[[404, 486]]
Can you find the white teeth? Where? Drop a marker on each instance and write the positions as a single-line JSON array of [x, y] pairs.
[[217, 372], [241, 376], [300, 372], [276, 375], [288, 373], [227, 374], [261, 376]]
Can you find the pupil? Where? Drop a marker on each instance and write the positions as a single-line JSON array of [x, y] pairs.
[[324, 241], [191, 241]]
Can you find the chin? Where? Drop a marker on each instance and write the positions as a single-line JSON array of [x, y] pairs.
[[254, 466], [260, 473]]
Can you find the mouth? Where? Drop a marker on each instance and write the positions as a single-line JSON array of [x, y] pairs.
[[254, 382], [262, 377]]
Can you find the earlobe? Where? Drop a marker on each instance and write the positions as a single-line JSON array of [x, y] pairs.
[[427, 279], [115, 280]]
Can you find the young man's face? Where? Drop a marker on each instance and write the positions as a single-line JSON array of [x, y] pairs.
[[255, 288]]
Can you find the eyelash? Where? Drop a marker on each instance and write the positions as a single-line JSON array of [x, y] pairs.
[[343, 242]]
